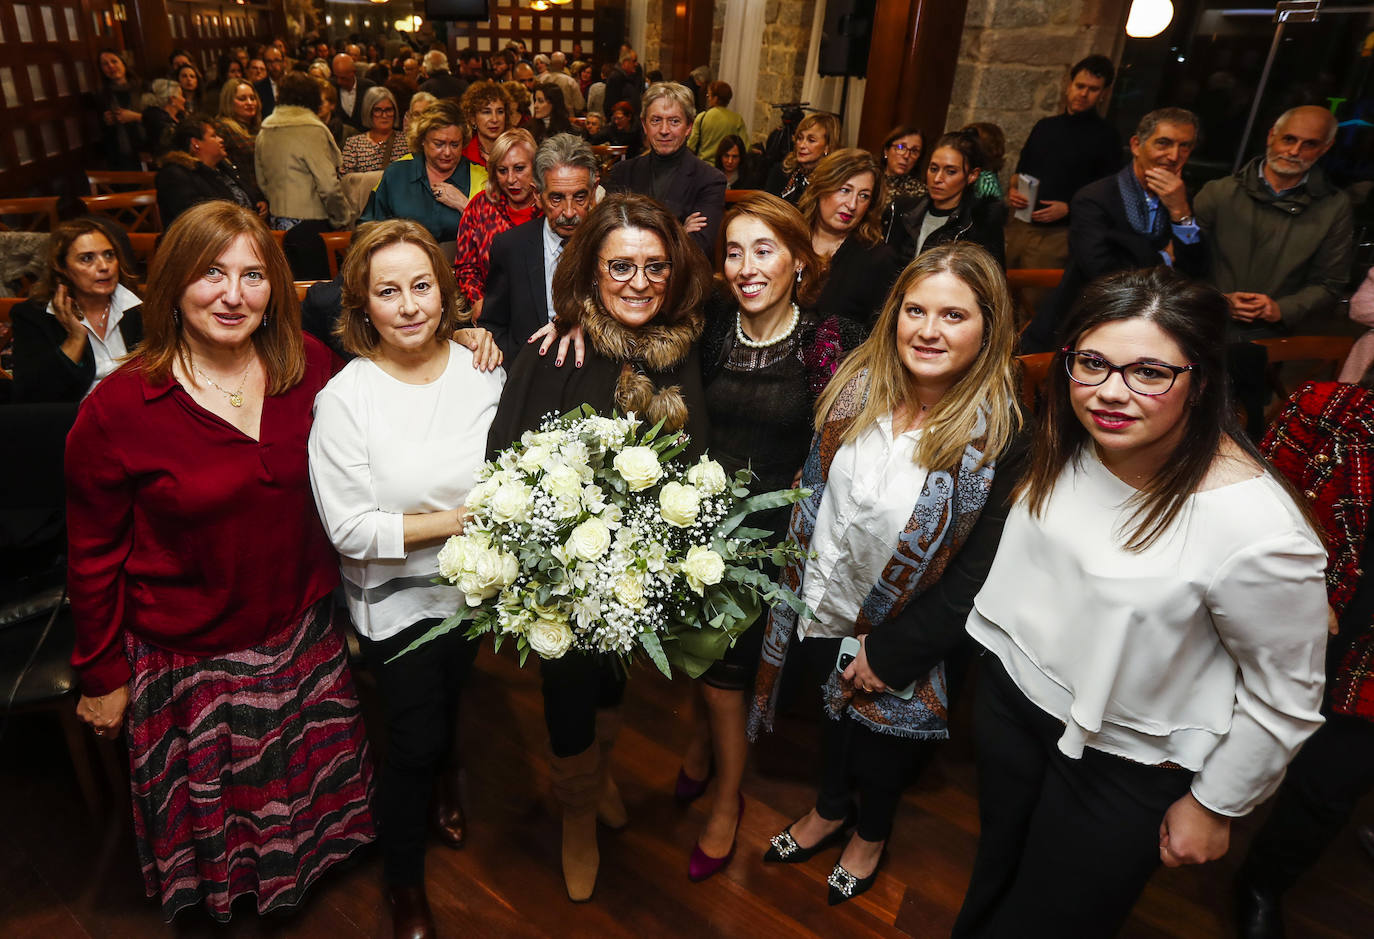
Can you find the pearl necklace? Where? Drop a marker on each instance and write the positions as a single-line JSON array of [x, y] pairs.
[[765, 343]]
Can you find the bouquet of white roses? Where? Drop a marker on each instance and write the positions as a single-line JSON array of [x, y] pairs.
[[589, 535]]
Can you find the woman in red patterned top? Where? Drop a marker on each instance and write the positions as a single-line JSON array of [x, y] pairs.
[[200, 581], [1323, 441], [508, 200]]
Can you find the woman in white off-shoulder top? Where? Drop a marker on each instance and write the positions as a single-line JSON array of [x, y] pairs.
[[1155, 618]]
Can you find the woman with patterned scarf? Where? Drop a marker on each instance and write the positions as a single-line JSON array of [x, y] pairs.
[[911, 471]]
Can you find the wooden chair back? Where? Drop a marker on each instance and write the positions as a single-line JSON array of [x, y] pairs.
[[1021, 279], [135, 211], [40, 213], [1035, 369], [302, 286], [609, 155], [144, 244], [108, 182], [336, 247], [1324, 355]]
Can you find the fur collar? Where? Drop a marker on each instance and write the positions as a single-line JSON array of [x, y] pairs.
[[181, 158], [642, 354], [290, 115], [658, 348]]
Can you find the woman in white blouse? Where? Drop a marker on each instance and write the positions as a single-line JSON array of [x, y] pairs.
[[398, 435], [1156, 616], [911, 472]]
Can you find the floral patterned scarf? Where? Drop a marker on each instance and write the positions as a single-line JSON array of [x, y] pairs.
[[946, 510]]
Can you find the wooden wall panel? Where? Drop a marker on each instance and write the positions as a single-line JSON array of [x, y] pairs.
[[554, 30]]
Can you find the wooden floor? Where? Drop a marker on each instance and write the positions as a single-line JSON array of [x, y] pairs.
[[63, 875]]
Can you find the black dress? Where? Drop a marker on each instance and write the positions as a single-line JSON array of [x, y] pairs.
[[858, 281], [761, 404]]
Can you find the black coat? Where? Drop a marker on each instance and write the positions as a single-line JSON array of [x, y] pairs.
[[444, 84], [858, 281], [184, 183], [696, 186], [42, 372], [355, 116], [264, 89], [977, 220], [515, 302], [1102, 242], [536, 387]]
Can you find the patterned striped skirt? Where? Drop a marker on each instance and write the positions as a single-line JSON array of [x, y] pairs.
[[250, 770]]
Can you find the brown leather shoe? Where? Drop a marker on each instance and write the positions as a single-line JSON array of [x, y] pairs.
[[449, 822], [410, 916]]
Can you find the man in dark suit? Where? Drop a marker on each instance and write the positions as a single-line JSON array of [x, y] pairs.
[[1137, 218], [518, 298], [671, 174], [439, 81], [267, 87], [351, 89]]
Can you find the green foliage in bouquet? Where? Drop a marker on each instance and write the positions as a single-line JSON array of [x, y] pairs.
[[590, 535]]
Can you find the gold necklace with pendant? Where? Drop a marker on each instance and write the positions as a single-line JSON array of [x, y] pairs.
[[235, 397]]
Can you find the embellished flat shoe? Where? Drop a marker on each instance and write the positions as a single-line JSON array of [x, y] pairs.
[[701, 865], [845, 886], [783, 848]]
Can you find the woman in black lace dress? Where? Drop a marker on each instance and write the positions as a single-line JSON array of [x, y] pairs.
[[764, 362]]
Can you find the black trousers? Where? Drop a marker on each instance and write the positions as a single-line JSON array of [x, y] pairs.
[[1066, 845], [857, 761], [575, 688], [1325, 781], [420, 702]]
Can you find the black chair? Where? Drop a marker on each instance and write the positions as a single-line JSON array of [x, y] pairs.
[[37, 633]]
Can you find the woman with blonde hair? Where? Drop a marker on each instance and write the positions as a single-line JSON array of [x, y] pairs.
[[815, 137], [398, 435], [843, 207], [432, 184], [509, 199], [238, 120], [201, 582], [911, 472]]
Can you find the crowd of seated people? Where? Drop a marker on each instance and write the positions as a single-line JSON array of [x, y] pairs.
[[1152, 595]]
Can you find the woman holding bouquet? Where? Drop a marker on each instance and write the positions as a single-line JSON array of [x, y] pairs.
[[764, 364], [398, 435], [641, 312], [911, 472]]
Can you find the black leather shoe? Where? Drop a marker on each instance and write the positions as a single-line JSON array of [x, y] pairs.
[[410, 916], [1259, 913], [448, 820]]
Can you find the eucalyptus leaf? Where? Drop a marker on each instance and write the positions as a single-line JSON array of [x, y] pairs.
[[649, 640]]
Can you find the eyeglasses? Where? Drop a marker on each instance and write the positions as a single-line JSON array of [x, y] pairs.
[[622, 271], [903, 148], [1144, 378], [383, 112]]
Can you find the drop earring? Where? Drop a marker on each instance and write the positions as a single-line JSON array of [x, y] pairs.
[[176, 315], [799, 273]]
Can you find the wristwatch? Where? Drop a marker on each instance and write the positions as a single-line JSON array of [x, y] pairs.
[[1186, 220]]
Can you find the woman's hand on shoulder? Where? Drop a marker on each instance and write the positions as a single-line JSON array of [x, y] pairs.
[[546, 335], [105, 713], [486, 354], [1191, 833]]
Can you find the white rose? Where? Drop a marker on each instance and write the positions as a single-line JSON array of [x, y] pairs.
[[533, 458], [452, 556], [678, 504], [589, 540], [511, 503], [702, 567], [638, 466], [485, 573], [708, 476], [510, 568], [549, 638], [629, 590], [562, 481]]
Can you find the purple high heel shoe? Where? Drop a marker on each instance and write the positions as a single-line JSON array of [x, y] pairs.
[[701, 865], [687, 790]]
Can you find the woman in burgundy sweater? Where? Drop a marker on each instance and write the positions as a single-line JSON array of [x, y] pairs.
[[200, 581]]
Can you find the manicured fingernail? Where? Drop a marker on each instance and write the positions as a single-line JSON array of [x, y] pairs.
[[557, 361], [578, 363]]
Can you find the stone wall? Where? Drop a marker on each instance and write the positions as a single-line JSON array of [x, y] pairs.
[[782, 61], [1015, 56]]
